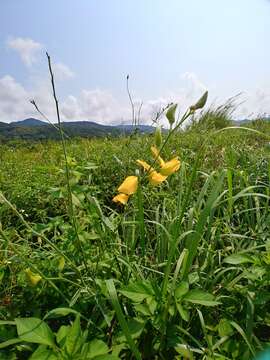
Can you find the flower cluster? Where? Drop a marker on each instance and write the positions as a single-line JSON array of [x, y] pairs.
[[130, 184]]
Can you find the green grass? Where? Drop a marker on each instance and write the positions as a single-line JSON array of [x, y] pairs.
[[180, 272]]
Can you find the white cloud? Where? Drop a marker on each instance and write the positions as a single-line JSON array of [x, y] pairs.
[[96, 105], [101, 106], [27, 49], [13, 99], [62, 71]]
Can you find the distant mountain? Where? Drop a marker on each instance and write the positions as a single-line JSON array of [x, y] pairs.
[[141, 128], [29, 122], [34, 129], [3, 125]]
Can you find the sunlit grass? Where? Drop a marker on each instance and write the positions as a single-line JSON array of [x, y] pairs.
[[180, 270]]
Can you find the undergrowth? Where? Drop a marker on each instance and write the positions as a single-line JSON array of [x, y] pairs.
[[179, 272]]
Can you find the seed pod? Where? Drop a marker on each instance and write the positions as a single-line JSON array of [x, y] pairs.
[[158, 137], [200, 103], [170, 114]]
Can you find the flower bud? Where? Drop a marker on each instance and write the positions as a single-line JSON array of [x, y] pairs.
[[200, 103], [170, 114], [158, 137]]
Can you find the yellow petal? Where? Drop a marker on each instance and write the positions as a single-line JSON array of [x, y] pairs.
[[33, 278], [121, 198], [170, 167], [61, 263], [155, 153], [144, 164], [156, 178], [129, 185]]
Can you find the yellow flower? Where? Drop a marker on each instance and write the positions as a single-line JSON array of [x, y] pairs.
[[155, 153], [144, 164], [33, 278], [170, 167], [129, 185], [166, 168], [121, 198], [156, 178], [61, 263]]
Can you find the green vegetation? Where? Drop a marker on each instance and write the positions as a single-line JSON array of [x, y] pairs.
[[36, 130], [180, 272]]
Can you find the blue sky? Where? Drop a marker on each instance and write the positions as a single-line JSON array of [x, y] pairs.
[[173, 50]]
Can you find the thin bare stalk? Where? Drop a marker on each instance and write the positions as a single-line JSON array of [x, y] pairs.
[[70, 202], [132, 103], [45, 117]]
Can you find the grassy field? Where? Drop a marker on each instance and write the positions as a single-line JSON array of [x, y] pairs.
[[179, 272]]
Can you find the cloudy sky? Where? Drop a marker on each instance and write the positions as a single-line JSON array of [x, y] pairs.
[[172, 49]]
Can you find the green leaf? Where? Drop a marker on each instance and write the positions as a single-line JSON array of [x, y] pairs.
[[184, 351], [95, 348], [200, 297], [143, 309], [62, 334], [138, 292], [42, 353], [121, 318], [107, 357], [182, 289], [59, 312], [225, 328], [183, 312], [34, 330], [76, 201], [136, 327], [7, 322], [2, 273], [9, 342], [236, 259], [193, 239], [73, 338]]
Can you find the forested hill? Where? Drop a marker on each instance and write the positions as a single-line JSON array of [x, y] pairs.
[[34, 129]]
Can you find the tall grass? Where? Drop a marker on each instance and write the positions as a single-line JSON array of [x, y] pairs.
[[180, 272]]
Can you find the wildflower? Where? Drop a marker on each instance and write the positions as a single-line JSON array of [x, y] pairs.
[[170, 167], [156, 178], [155, 153], [166, 168], [144, 164], [121, 198], [128, 187], [33, 278]]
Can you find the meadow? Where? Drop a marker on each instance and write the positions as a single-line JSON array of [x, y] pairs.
[[178, 270]]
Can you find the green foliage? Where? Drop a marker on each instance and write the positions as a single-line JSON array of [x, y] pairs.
[[182, 271]]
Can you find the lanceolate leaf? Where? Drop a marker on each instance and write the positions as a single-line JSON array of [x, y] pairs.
[[72, 343], [236, 259], [43, 353], [34, 330], [121, 318], [200, 297], [139, 291]]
